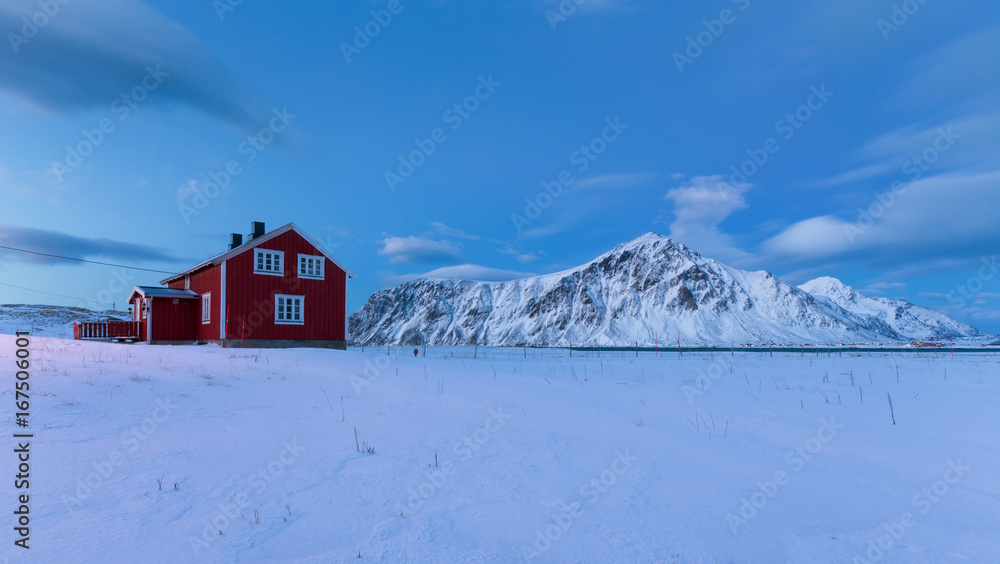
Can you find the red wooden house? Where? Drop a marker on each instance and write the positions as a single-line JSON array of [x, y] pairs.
[[279, 289]]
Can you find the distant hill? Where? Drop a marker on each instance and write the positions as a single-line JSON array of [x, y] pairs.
[[51, 321]]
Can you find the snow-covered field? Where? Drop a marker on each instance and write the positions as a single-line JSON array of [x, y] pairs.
[[601, 458]]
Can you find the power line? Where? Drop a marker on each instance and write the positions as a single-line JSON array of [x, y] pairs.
[[86, 261], [50, 294]]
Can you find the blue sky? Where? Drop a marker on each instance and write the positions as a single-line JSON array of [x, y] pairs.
[[489, 140]]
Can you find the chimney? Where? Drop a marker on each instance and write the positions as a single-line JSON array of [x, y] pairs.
[[256, 229], [235, 240]]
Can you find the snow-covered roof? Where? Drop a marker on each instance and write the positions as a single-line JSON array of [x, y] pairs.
[[217, 259], [157, 292]]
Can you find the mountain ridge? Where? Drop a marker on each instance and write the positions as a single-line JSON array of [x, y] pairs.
[[645, 290]]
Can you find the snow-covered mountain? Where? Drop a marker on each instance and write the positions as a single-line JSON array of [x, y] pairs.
[[644, 291], [909, 320]]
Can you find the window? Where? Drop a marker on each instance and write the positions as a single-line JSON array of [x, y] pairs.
[[206, 308], [288, 310], [311, 267], [269, 262]]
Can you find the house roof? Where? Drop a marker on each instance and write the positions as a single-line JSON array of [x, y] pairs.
[[217, 259], [157, 292]]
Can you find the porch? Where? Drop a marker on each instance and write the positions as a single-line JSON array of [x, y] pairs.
[[130, 331]]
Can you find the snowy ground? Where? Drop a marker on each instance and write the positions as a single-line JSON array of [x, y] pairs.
[[602, 458]]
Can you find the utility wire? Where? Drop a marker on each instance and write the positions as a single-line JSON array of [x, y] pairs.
[[50, 294], [86, 261]]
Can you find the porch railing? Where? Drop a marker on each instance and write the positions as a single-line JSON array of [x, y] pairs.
[[107, 330]]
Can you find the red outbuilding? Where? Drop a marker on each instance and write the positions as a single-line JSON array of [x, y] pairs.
[[279, 289]]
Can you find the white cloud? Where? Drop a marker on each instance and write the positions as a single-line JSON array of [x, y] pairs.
[[452, 232], [856, 175], [523, 258], [184, 190], [475, 272], [814, 237], [460, 272], [704, 203], [613, 181], [951, 215], [880, 288], [418, 250], [699, 207]]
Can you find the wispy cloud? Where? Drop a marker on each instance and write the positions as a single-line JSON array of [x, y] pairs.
[[856, 175], [585, 199], [880, 288], [523, 258], [963, 68], [86, 59], [919, 226], [452, 232], [33, 184], [700, 206], [66, 245], [613, 181], [460, 272], [418, 250]]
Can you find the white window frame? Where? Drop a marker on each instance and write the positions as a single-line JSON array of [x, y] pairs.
[[279, 254], [206, 308], [277, 310], [321, 260]]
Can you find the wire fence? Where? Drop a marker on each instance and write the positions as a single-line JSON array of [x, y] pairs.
[[539, 352]]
